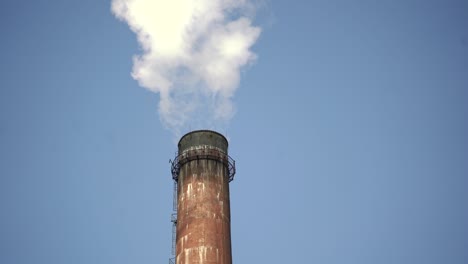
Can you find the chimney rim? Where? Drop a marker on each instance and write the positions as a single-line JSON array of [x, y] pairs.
[[202, 131]]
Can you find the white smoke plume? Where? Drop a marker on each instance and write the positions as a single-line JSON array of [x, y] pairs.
[[192, 54]]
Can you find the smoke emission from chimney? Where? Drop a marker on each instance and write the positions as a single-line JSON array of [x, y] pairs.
[[192, 54]]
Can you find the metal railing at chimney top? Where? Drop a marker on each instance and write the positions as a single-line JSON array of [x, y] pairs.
[[202, 152]]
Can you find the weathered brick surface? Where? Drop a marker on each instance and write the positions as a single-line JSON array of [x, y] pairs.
[[203, 224]]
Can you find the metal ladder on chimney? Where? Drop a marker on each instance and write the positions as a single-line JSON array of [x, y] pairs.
[[174, 224]]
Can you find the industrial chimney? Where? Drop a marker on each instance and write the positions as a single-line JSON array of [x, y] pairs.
[[202, 171]]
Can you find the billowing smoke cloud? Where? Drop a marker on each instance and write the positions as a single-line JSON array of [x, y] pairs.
[[193, 51]]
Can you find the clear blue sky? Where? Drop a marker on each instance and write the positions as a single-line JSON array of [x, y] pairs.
[[350, 137]]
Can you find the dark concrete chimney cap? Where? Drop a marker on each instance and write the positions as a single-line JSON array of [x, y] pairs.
[[203, 138]]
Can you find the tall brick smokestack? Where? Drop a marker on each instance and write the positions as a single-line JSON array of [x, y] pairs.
[[203, 170]]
